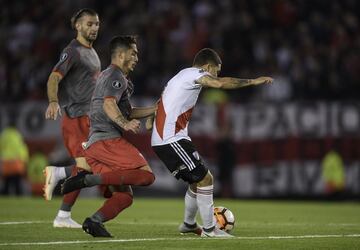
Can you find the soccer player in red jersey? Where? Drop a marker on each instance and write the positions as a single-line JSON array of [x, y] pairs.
[[116, 164], [70, 87]]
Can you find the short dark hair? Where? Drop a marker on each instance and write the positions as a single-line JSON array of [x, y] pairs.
[[79, 14], [206, 56], [121, 42]]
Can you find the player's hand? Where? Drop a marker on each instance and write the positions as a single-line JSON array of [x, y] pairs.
[[52, 111], [133, 125], [262, 80], [149, 122]]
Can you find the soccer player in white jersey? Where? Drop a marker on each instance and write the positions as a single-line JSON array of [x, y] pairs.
[[173, 146]]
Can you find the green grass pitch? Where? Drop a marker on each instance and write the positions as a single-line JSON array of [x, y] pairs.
[[26, 223]]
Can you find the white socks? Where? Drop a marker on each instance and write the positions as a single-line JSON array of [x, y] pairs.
[[205, 204], [60, 173], [191, 207], [64, 214]]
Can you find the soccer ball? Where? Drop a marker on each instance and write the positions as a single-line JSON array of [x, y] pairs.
[[224, 218]]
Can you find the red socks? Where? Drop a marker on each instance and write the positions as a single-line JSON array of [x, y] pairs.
[[136, 177], [121, 200], [113, 206]]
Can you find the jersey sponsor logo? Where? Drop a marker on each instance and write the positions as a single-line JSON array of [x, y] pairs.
[[116, 84], [63, 57]]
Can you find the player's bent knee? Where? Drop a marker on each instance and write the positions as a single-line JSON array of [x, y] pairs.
[[126, 189], [146, 178], [194, 176], [206, 181], [193, 187], [117, 189], [122, 199], [146, 168], [127, 199], [82, 163]]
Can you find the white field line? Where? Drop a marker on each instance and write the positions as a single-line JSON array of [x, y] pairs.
[[243, 224], [113, 222], [288, 237], [23, 222], [291, 224]]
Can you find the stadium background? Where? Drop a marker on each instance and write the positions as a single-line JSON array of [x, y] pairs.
[[277, 136]]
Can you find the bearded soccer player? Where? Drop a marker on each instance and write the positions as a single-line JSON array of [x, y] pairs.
[[116, 164], [70, 87], [173, 146]]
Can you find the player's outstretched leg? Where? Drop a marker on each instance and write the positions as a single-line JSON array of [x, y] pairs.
[[74, 183], [52, 176], [136, 177]]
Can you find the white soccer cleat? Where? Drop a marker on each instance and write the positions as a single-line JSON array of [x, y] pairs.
[[65, 222], [186, 228], [51, 180], [216, 233]]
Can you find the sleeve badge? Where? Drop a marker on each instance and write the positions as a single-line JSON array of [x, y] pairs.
[[116, 84], [63, 57]]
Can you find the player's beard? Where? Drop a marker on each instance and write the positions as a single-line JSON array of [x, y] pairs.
[[130, 65], [89, 37]]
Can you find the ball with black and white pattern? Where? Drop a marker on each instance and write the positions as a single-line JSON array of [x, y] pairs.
[[225, 219]]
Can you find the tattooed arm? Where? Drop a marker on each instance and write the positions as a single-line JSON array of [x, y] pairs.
[[112, 111], [231, 82], [143, 112]]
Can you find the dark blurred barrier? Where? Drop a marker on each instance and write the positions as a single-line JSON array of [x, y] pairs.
[[279, 148]]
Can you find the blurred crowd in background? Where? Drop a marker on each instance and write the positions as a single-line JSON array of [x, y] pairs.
[[311, 48]]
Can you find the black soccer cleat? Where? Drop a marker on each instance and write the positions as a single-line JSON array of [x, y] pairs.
[[96, 229], [74, 183]]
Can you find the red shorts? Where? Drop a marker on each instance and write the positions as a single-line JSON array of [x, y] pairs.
[[113, 154], [75, 131]]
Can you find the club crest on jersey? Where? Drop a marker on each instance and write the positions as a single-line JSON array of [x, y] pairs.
[[116, 84], [63, 57]]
